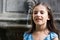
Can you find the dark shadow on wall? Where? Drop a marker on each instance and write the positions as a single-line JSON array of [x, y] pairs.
[[12, 33], [3, 34]]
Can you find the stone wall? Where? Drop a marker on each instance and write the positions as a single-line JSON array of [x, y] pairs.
[[15, 17]]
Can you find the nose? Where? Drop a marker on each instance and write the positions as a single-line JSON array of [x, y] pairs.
[[38, 14]]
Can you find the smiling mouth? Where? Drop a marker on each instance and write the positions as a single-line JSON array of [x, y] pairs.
[[38, 19]]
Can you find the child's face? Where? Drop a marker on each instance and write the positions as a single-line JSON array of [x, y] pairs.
[[40, 15]]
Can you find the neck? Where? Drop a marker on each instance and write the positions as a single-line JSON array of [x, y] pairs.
[[41, 27]]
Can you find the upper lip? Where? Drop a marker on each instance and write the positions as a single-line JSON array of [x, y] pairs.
[[38, 19]]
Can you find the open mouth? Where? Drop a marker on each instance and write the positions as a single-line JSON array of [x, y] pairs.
[[38, 19]]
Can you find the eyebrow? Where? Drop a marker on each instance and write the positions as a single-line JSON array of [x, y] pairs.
[[37, 11]]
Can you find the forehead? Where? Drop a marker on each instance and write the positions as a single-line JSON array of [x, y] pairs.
[[40, 7]]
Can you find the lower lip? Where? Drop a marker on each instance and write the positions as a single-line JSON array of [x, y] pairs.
[[38, 20]]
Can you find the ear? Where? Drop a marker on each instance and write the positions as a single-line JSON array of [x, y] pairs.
[[48, 17]]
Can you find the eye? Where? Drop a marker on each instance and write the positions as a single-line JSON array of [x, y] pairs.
[[35, 12], [41, 12]]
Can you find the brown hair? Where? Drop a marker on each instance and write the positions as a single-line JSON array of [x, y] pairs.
[[50, 23]]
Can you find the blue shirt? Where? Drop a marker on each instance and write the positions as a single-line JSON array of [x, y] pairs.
[[50, 36]]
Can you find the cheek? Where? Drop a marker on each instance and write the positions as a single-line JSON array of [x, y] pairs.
[[33, 16], [46, 17]]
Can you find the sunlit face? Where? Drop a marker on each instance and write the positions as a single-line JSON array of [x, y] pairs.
[[40, 15]]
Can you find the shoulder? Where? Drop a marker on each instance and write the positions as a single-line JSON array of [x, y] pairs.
[[26, 36], [53, 35]]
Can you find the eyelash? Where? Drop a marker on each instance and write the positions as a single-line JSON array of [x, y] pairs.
[[40, 12], [35, 12]]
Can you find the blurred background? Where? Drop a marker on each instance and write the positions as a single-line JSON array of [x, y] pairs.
[[15, 17]]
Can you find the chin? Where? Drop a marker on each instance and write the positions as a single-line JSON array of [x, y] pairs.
[[39, 23]]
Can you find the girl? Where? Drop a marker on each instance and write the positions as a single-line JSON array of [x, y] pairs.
[[43, 27]]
